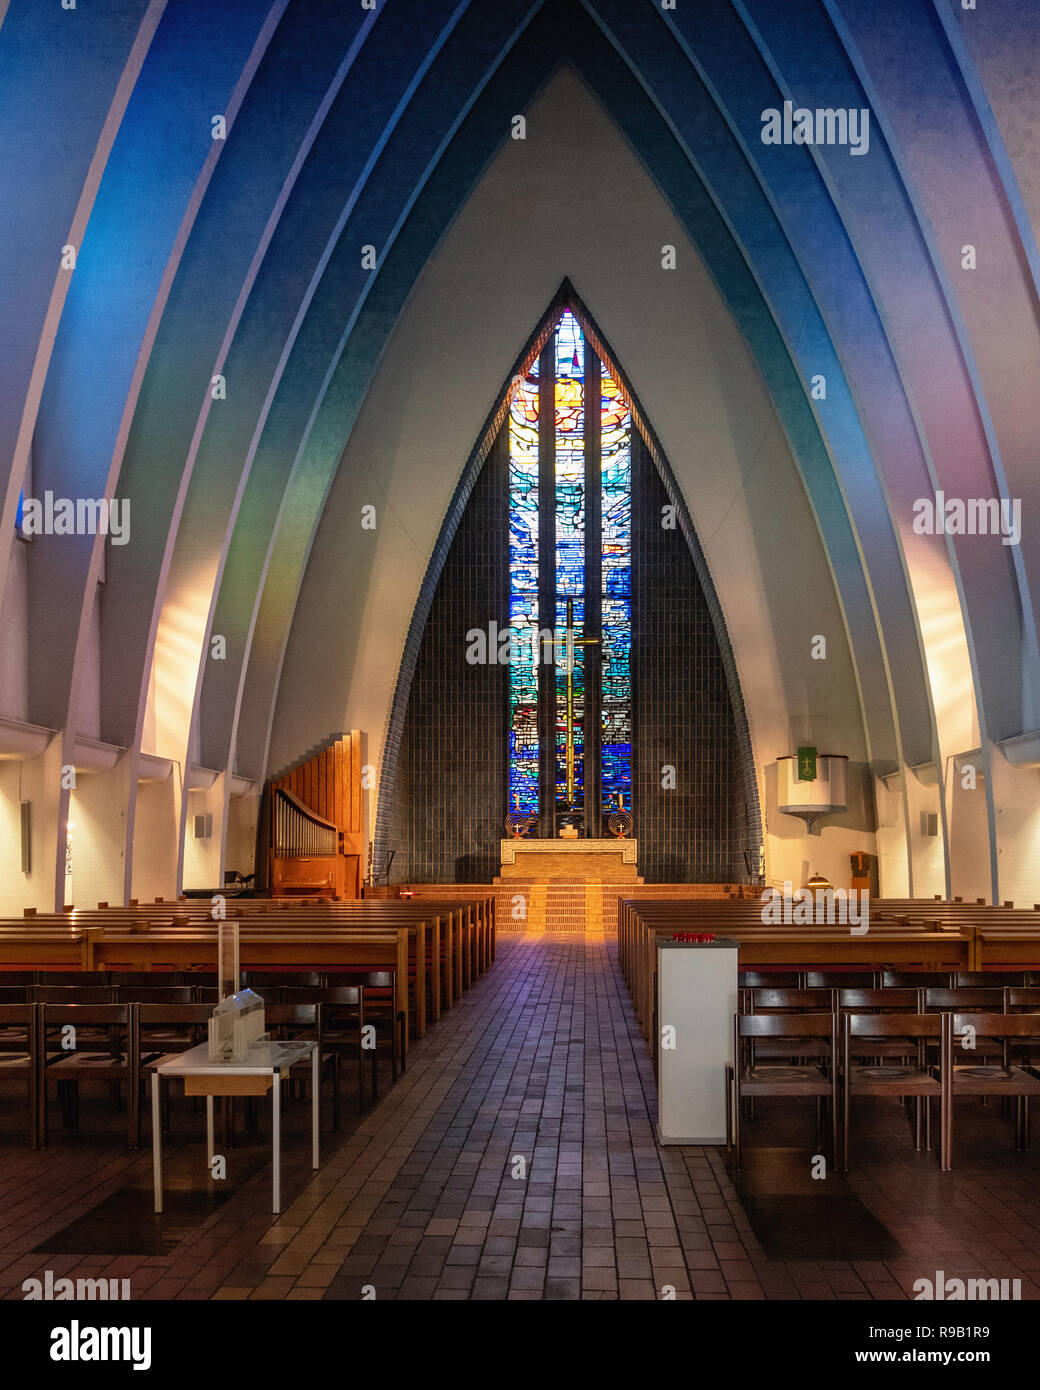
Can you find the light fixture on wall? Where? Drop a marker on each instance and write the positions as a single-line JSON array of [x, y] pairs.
[[811, 785]]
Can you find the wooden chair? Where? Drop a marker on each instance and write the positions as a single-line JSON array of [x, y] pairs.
[[382, 1006], [161, 1030], [286, 1022], [341, 1024], [969, 1000], [870, 1001], [748, 1080], [20, 1064], [67, 1068], [789, 1001], [78, 994], [12, 1036], [1025, 999], [1006, 1080], [919, 1080]]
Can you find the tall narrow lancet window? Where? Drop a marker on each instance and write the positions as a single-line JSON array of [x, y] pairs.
[[616, 612], [523, 594], [570, 604]]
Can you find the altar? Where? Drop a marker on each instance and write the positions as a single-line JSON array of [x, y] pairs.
[[613, 860]]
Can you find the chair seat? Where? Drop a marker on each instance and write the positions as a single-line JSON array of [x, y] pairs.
[[889, 1080], [150, 1063], [153, 1038], [995, 1081], [784, 1081], [95, 1063]]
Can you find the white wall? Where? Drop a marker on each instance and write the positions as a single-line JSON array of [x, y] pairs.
[[202, 856], [1016, 794], [969, 833], [156, 827], [14, 636], [242, 816], [97, 817]]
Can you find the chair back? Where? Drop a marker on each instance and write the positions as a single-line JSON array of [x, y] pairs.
[[914, 979], [1025, 999], [785, 1025], [292, 1016], [171, 994], [72, 977], [113, 1017], [348, 996], [912, 1025], [17, 1015], [85, 1015], [72, 994], [285, 979], [947, 1000], [141, 979], [768, 979], [863, 1000], [993, 979], [998, 1025], [840, 979], [771, 1000]]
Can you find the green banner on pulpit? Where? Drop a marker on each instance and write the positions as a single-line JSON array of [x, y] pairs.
[[807, 764]]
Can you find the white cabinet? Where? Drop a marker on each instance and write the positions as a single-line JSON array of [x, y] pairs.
[[696, 1001]]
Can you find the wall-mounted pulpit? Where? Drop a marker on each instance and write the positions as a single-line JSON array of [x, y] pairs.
[[611, 860]]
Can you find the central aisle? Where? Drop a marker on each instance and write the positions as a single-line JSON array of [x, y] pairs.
[[541, 1065]]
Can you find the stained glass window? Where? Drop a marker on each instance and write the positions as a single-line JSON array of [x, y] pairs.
[[564, 538], [523, 595], [569, 435], [616, 611]]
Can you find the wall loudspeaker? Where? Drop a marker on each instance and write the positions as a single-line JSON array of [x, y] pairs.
[[929, 823], [203, 827], [26, 837]]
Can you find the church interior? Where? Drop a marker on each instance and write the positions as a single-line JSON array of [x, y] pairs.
[[520, 680]]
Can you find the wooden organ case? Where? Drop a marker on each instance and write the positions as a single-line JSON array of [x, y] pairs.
[[311, 832]]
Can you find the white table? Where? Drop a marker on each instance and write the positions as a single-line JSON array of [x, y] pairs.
[[263, 1069]]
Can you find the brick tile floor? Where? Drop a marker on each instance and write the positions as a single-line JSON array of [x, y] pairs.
[[516, 1159]]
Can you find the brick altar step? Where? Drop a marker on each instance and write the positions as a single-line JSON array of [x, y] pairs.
[[570, 903]]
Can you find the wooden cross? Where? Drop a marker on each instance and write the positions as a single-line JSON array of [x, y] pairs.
[[568, 665]]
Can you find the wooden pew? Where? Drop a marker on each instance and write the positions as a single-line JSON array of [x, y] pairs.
[[447, 945], [888, 943]]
